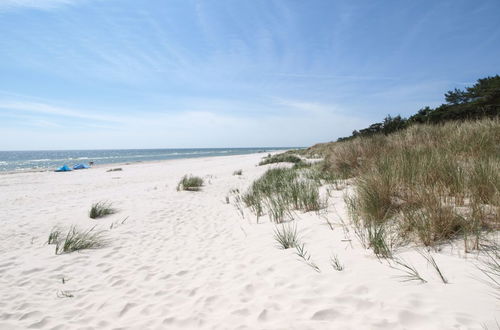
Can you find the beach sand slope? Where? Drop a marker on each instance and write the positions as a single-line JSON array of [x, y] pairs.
[[188, 260]]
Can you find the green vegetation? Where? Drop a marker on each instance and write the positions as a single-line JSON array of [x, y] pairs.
[[286, 237], [306, 257], [410, 273], [336, 264], [490, 265], [101, 209], [76, 240], [433, 263], [281, 158], [115, 169], [54, 236], [191, 183], [482, 100], [280, 191], [426, 184]]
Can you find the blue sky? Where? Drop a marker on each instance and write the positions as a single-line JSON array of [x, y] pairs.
[[87, 74]]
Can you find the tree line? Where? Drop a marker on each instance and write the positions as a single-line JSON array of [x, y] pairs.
[[479, 101]]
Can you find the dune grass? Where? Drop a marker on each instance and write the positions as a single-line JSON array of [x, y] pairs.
[[101, 209], [115, 169], [190, 183], [54, 236], [426, 184], [306, 257], [336, 264], [286, 237], [281, 158], [280, 191], [430, 259], [76, 240], [490, 264], [410, 273]]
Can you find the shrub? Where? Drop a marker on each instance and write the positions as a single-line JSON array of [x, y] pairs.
[[191, 183], [238, 172], [101, 209]]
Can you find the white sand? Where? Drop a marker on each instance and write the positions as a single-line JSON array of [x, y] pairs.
[[189, 260]]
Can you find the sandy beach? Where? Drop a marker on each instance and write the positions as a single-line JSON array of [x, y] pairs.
[[189, 260]]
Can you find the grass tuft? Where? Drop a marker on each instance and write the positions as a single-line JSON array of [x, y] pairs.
[[101, 209], [115, 169], [336, 264], [191, 183], [54, 236], [287, 236], [280, 191], [280, 158], [238, 172], [76, 240]]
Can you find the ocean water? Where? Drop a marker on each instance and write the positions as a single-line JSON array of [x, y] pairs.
[[50, 160]]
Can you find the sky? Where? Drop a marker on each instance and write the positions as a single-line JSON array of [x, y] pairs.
[[104, 74]]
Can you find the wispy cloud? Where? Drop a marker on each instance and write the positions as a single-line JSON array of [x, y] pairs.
[[306, 123], [35, 4], [43, 108]]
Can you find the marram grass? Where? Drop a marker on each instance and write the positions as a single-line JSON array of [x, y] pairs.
[[191, 183], [101, 209], [427, 184], [280, 191], [76, 240]]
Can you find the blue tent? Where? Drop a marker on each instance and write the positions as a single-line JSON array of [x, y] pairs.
[[80, 166], [64, 168]]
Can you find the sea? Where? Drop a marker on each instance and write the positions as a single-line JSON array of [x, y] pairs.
[[17, 161]]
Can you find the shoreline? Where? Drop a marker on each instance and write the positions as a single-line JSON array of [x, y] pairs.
[[96, 166]]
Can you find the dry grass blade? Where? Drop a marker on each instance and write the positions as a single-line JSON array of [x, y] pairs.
[[430, 259], [306, 257], [490, 265], [410, 272], [64, 294], [336, 264]]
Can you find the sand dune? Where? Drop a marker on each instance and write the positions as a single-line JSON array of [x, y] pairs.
[[188, 260]]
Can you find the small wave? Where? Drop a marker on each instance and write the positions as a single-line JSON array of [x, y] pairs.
[[41, 160]]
